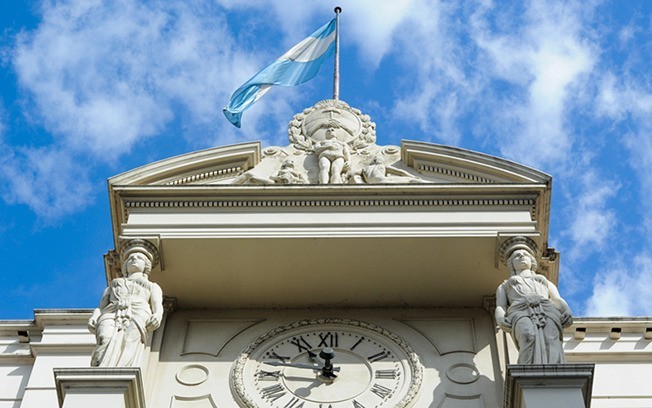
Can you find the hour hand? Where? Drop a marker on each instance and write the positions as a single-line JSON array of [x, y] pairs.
[[297, 365], [312, 355]]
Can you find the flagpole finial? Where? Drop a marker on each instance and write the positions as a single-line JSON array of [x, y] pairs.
[[338, 9]]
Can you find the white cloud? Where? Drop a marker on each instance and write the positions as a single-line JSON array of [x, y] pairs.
[[373, 24], [591, 219], [107, 75], [623, 289], [540, 54], [102, 77], [439, 83], [548, 59], [629, 100], [617, 98], [370, 24], [50, 181]]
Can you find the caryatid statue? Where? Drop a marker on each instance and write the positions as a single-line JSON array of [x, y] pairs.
[[529, 306], [130, 309]]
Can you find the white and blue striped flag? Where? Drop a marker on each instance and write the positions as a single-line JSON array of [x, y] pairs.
[[298, 65]]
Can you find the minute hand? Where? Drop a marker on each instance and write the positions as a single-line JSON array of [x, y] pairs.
[[297, 365]]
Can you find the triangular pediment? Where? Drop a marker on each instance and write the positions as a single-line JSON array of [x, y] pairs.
[[208, 166], [247, 163], [331, 143], [457, 165]]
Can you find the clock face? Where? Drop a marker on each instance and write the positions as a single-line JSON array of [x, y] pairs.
[[327, 363]]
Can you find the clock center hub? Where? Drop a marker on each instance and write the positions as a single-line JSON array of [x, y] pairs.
[[353, 378]]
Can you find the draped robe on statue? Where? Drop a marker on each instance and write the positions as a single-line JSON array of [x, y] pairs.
[[122, 326], [536, 321]]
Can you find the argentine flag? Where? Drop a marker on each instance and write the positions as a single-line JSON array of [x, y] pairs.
[[295, 67]]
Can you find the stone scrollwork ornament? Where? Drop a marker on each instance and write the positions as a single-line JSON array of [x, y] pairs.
[[130, 309], [529, 306]]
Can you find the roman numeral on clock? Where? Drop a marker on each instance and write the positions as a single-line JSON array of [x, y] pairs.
[[268, 375], [380, 390], [379, 356], [357, 343], [356, 404], [282, 358], [301, 343], [273, 392], [386, 374], [327, 340], [294, 403]]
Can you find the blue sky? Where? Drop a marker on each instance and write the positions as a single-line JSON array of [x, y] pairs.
[[90, 89]]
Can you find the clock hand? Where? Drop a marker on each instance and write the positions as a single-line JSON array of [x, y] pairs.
[[296, 365], [328, 354]]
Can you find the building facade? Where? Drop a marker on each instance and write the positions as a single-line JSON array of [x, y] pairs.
[[376, 264]]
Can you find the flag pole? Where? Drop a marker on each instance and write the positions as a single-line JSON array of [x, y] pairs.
[[336, 73]]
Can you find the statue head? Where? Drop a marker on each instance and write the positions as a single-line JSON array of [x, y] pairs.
[[136, 262], [514, 246], [520, 260], [333, 127], [137, 251]]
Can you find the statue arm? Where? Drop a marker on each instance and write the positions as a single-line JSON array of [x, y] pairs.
[[398, 172], [156, 303], [320, 147], [347, 153], [104, 302], [566, 314], [501, 309]]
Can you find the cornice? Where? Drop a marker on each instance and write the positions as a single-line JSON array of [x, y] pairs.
[[325, 189], [214, 162], [128, 197], [219, 198], [43, 317], [62, 348], [207, 176], [606, 324], [329, 203], [427, 168], [415, 154]]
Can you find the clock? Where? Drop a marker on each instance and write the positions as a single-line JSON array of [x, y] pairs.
[[322, 363]]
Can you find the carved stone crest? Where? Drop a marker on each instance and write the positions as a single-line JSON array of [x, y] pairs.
[[349, 125]]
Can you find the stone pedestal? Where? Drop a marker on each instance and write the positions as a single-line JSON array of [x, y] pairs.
[[549, 385], [99, 387]]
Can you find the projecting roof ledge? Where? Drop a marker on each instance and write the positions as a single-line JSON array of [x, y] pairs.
[[202, 165], [474, 166]]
